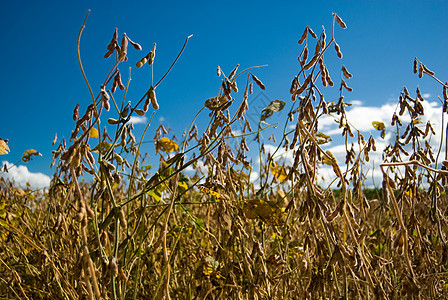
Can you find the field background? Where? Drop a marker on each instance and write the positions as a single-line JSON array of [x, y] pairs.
[[182, 169]]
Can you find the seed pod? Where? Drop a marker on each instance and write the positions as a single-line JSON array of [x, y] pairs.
[[218, 71], [251, 87], [139, 112], [327, 77], [76, 158], [114, 41], [258, 82], [124, 48], [338, 49], [324, 37], [146, 105], [125, 111], [305, 55], [312, 32], [294, 85], [344, 84], [233, 71], [122, 218], [76, 112], [346, 73], [339, 21], [415, 68], [152, 97], [90, 212], [427, 71], [135, 45], [118, 79], [419, 95], [112, 121], [234, 86], [420, 70], [151, 55], [304, 34], [141, 62], [90, 157], [445, 92], [304, 85], [113, 268]]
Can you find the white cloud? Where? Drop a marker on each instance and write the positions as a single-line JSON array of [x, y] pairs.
[[21, 176], [138, 120], [361, 117], [426, 96]]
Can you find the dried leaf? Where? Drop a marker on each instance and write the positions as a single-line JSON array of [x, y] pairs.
[[28, 155], [274, 106], [4, 149]]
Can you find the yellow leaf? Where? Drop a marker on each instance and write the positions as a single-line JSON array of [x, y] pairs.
[[207, 270], [166, 145], [328, 161], [210, 192], [94, 133], [28, 155], [4, 149], [322, 138], [278, 171], [379, 125], [102, 147]]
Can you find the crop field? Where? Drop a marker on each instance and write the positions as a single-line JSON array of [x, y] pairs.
[[196, 226]]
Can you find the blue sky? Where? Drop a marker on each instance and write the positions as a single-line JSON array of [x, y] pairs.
[[42, 83]]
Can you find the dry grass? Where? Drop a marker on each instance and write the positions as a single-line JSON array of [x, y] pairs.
[[133, 234]]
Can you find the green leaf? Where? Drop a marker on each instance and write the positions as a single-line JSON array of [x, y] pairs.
[[200, 225]]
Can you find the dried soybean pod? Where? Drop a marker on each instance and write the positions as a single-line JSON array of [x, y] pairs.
[[344, 84], [305, 55], [346, 73], [338, 49], [305, 33], [76, 112], [234, 71], [427, 71], [124, 48], [218, 71], [419, 95], [135, 45], [420, 71], [415, 67], [445, 92], [294, 85], [312, 32], [152, 97], [141, 62], [339, 21], [258, 82]]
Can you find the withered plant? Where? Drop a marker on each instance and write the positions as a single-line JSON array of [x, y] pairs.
[[198, 227]]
